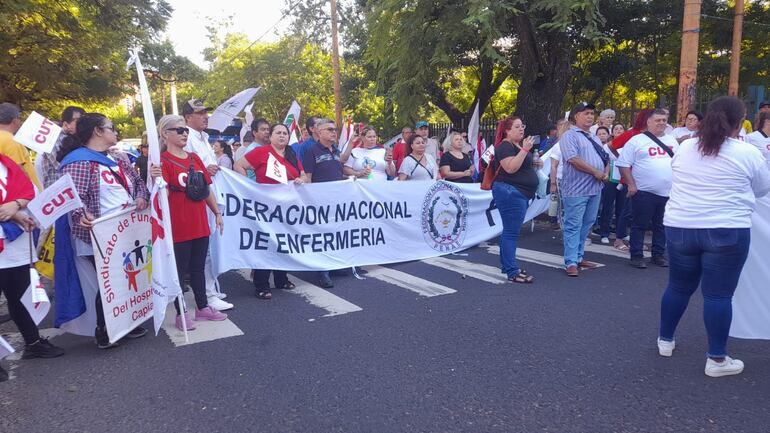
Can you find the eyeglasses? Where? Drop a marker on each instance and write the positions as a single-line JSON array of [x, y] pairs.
[[109, 128], [180, 130], [329, 129]]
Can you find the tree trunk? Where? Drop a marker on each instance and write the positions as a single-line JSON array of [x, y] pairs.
[[488, 86], [546, 71]]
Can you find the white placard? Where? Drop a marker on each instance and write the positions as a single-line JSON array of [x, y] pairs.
[[5, 348], [34, 299], [275, 170], [55, 201], [123, 252], [38, 133], [488, 154]]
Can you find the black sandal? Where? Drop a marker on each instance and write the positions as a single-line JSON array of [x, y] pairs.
[[288, 286], [265, 294], [522, 278]]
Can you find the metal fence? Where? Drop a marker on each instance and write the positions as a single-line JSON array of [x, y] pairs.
[[486, 129]]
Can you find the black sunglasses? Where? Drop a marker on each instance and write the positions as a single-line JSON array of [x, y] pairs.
[[180, 130]]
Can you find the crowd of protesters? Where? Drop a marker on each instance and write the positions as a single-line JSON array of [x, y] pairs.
[[692, 186]]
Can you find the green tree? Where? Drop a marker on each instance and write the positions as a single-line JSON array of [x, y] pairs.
[[72, 49]]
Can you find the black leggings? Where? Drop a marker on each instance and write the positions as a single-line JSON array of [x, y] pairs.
[[191, 258], [14, 283]]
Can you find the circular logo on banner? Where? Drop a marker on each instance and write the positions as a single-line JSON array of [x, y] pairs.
[[135, 261], [444, 217]]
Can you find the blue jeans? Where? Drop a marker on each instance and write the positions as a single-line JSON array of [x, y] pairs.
[[612, 206], [714, 258], [513, 207], [648, 209], [579, 216]]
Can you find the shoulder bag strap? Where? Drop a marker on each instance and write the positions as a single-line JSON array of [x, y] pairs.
[[762, 132], [173, 162], [602, 154], [660, 144]]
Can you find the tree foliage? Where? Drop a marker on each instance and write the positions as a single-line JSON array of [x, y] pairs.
[[72, 49]]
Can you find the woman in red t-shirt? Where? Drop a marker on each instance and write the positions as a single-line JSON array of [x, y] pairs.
[[257, 160], [189, 223]]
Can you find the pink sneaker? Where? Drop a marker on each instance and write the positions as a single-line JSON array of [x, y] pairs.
[[209, 313], [190, 323]]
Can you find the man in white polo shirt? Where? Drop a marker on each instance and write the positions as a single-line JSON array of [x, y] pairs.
[[649, 155], [196, 117]]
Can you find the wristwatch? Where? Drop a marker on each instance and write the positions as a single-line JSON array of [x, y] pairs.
[[21, 206]]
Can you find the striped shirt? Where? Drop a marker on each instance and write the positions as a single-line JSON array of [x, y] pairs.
[[576, 183]]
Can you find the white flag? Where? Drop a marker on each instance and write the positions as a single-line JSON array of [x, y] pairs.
[[230, 109], [55, 201], [5, 348], [249, 119], [35, 300], [165, 283], [275, 170], [38, 133], [292, 121], [345, 134], [474, 139]]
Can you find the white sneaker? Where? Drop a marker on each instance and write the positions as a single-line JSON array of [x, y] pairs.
[[220, 295], [727, 367], [627, 238], [219, 304], [666, 348], [606, 241]]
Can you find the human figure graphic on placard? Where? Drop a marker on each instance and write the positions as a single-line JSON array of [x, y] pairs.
[[131, 272], [138, 254]]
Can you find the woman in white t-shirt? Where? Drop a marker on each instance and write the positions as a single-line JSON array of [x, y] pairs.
[[716, 179], [370, 160], [761, 137], [16, 191], [106, 183], [416, 165]]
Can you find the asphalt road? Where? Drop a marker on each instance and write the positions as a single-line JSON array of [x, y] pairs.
[[560, 355]]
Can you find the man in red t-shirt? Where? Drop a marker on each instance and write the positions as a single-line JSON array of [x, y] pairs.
[[399, 149]]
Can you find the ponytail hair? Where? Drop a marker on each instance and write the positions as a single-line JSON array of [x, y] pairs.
[[723, 118], [83, 133]]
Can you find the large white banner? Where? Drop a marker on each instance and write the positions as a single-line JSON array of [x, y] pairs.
[[123, 252], [55, 201], [751, 303], [336, 225]]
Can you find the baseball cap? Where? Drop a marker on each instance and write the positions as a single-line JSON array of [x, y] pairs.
[[193, 106], [764, 104], [581, 106], [420, 124]]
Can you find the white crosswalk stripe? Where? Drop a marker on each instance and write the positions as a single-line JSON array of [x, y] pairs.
[[479, 271], [316, 296], [610, 251], [532, 256], [333, 304], [204, 330], [402, 279]]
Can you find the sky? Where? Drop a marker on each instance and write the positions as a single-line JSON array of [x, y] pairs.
[[187, 28]]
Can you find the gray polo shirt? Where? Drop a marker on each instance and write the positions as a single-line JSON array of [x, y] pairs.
[[576, 183]]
